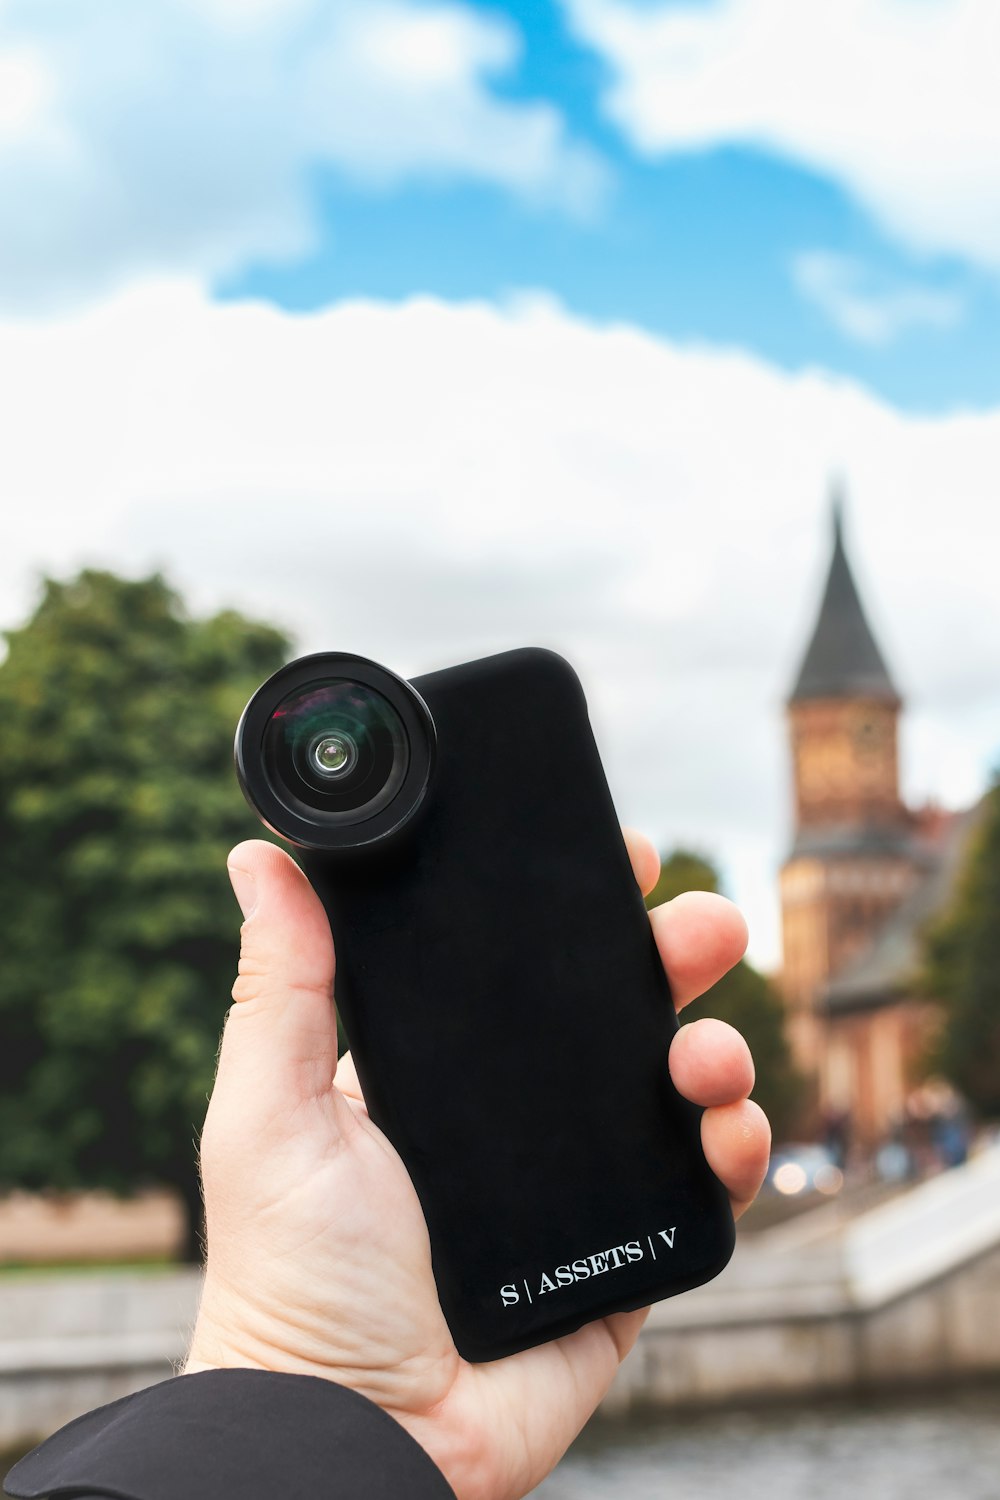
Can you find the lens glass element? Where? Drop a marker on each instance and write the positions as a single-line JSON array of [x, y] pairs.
[[334, 754], [335, 751]]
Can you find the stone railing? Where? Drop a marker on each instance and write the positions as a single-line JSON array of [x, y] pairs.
[[907, 1292], [69, 1342]]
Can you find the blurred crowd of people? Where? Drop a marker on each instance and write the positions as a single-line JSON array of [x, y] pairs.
[[933, 1132]]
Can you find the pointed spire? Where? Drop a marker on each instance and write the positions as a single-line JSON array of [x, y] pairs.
[[837, 510], [843, 659]]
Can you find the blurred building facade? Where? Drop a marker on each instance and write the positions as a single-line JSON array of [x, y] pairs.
[[864, 874]]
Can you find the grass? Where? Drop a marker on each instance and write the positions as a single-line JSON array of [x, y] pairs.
[[14, 1268]]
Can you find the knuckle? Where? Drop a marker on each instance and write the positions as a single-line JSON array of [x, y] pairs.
[[254, 974]]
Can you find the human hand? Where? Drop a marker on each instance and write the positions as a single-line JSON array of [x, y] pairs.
[[318, 1260]]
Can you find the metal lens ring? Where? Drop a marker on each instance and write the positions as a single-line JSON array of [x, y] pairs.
[[335, 751]]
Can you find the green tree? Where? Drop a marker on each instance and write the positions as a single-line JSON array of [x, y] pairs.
[[744, 998], [962, 971], [682, 870], [118, 804]]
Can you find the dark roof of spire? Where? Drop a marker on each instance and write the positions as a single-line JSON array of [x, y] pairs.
[[843, 659]]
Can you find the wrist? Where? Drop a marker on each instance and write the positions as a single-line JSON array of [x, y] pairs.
[[449, 1432], [223, 1338], [465, 1449], [224, 1344]]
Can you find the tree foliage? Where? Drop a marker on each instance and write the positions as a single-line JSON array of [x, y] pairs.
[[744, 998], [962, 971], [118, 804], [682, 870]]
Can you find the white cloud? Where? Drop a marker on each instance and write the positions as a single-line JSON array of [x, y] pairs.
[[897, 100], [867, 308], [23, 90], [178, 136], [423, 483]]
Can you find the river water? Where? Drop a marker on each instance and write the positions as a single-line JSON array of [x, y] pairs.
[[941, 1448]]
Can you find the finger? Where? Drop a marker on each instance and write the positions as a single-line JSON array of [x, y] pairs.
[[645, 860], [700, 937], [281, 1034], [736, 1139], [710, 1063], [347, 1079]]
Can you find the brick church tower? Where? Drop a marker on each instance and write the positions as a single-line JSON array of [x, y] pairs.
[[852, 860]]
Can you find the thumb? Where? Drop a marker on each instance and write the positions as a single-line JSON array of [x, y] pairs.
[[280, 1041]]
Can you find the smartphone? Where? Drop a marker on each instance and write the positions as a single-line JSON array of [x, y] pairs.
[[497, 980]]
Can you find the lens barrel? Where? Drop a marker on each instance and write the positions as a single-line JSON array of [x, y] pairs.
[[335, 752]]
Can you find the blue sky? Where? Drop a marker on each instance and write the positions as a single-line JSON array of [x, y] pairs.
[[817, 186], [698, 245]]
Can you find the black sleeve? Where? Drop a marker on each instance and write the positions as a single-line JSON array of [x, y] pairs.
[[232, 1435]]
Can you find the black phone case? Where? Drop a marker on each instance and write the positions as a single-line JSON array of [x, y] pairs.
[[510, 1020]]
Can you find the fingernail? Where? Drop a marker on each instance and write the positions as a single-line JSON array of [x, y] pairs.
[[244, 889]]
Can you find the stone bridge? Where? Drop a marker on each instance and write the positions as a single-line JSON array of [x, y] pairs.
[[906, 1292]]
